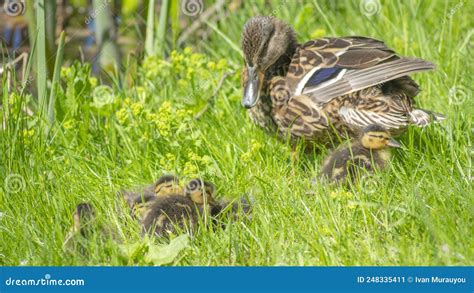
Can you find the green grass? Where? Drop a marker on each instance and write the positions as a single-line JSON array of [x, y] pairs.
[[419, 212]]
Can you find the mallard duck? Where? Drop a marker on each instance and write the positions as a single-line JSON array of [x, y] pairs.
[[169, 212], [328, 86], [369, 151]]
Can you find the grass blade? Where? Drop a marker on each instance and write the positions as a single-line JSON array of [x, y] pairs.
[[56, 79]]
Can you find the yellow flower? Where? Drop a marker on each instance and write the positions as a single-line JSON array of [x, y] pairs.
[[168, 161], [211, 65], [145, 137], [163, 128], [188, 50], [68, 124], [190, 71], [136, 108], [325, 231], [28, 133], [121, 115], [341, 194], [334, 194], [245, 157], [190, 169], [318, 33], [196, 59], [93, 81], [65, 71], [165, 107], [151, 117], [181, 114], [193, 156], [222, 64], [206, 159], [256, 146]]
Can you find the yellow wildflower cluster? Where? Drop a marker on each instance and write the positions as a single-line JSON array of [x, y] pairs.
[[168, 162], [165, 120], [189, 70], [197, 163], [341, 194], [69, 124], [255, 146], [190, 169], [27, 135]]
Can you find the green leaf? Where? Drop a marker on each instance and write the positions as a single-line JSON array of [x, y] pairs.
[[161, 255], [133, 250]]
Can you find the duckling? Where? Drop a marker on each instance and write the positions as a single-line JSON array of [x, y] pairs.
[[167, 184], [140, 201], [368, 151], [83, 218], [232, 210], [169, 212]]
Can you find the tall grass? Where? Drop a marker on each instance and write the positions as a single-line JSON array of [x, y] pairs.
[[419, 212]]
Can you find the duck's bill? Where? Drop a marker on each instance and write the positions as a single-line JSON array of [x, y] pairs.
[[252, 88], [393, 143]]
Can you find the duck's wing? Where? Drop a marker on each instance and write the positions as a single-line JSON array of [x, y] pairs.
[[327, 68]]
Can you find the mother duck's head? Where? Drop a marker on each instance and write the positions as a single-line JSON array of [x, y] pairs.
[[267, 45]]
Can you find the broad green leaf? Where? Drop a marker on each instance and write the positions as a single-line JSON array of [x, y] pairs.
[[161, 255]]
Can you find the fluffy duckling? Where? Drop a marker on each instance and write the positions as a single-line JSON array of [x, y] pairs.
[[169, 212], [83, 217], [369, 151], [140, 201], [167, 184]]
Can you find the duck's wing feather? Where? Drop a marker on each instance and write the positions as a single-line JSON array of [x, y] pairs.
[[327, 68], [359, 118]]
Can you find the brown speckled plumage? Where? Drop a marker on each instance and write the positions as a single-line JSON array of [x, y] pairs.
[[169, 214], [328, 86], [368, 151]]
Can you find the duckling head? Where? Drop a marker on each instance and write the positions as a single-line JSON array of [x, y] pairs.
[[266, 43], [168, 184], [375, 137], [83, 215], [201, 192]]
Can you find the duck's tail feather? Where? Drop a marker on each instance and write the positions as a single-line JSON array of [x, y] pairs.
[[422, 117]]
